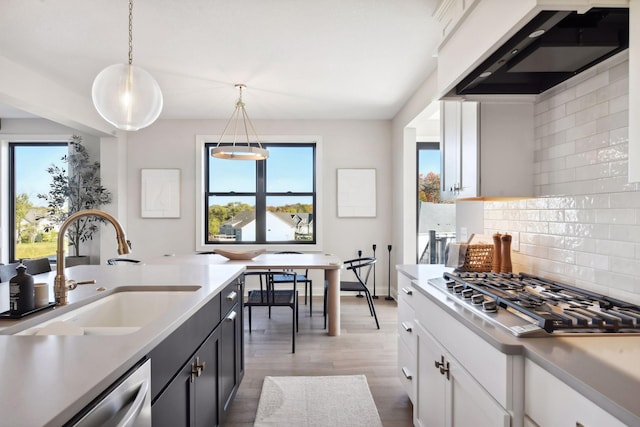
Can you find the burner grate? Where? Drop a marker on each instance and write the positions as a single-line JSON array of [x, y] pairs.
[[553, 306]]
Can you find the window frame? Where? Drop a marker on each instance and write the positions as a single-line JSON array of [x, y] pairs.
[[11, 188], [203, 142]]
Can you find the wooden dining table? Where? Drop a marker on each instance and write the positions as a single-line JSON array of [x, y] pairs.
[[331, 265]]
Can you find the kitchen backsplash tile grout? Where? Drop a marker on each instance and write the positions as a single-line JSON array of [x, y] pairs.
[[584, 226]]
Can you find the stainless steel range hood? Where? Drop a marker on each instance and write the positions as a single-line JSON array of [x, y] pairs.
[[552, 47]]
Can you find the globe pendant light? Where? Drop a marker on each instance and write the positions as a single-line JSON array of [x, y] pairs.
[[127, 96], [234, 151]]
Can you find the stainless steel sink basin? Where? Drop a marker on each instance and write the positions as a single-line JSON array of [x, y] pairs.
[[119, 313]]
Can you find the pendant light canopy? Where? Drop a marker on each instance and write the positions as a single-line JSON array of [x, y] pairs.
[[245, 151], [127, 96]]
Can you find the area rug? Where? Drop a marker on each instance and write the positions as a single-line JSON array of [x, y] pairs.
[[343, 400]]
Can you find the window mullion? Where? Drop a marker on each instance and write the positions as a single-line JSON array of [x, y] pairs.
[[261, 202]]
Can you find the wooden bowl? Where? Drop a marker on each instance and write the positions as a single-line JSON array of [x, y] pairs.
[[239, 255]]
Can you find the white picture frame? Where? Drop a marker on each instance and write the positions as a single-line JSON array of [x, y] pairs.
[[160, 193], [356, 193]]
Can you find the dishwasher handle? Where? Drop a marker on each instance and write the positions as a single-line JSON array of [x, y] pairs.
[[131, 414], [125, 404]]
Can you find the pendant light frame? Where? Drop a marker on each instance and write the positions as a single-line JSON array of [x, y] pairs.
[[241, 121], [127, 96]]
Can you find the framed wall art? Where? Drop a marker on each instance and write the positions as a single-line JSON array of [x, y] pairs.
[[356, 192], [160, 193]]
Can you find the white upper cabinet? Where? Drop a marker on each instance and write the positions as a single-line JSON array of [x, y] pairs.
[[487, 149]]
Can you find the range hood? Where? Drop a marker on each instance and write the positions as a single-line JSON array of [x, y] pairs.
[[552, 47]]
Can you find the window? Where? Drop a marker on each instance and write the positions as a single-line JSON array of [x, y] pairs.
[[30, 234], [436, 220], [261, 202]]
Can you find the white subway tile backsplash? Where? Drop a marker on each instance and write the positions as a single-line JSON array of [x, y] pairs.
[[584, 226], [562, 255], [592, 113], [561, 150], [600, 170], [614, 90], [581, 159], [615, 248], [615, 216], [620, 168], [596, 82], [590, 260], [612, 121], [618, 104], [579, 104], [592, 142], [581, 131]]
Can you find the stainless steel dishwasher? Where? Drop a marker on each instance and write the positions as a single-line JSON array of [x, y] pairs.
[[127, 403]]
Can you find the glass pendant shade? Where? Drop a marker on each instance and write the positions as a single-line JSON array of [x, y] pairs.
[[127, 96]]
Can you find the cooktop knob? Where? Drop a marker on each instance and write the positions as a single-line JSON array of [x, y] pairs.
[[489, 306], [477, 299], [458, 288], [466, 294]]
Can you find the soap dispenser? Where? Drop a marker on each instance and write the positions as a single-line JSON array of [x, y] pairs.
[[21, 291]]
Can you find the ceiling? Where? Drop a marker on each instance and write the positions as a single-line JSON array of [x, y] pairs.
[[300, 59]]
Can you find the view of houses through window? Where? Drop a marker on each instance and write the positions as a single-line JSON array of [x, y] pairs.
[[271, 201], [436, 220], [31, 235]]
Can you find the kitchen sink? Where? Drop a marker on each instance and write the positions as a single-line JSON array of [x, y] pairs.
[[119, 313]]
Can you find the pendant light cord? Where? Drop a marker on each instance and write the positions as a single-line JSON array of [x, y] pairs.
[[130, 32]]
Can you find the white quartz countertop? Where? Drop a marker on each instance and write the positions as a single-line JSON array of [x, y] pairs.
[[605, 369], [47, 379]]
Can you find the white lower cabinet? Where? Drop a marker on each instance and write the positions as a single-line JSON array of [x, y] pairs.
[[452, 376], [446, 394], [549, 402]]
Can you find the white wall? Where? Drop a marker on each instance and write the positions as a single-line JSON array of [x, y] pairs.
[[346, 144], [586, 227]]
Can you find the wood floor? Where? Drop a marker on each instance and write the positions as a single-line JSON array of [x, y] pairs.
[[360, 349]]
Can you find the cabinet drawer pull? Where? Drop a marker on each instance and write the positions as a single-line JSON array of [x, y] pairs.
[[231, 317], [445, 371], [232, 296], [196, 369], [407, 374], [406, 327], [407, 291]]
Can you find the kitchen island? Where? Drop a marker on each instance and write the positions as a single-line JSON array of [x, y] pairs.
[[46, 380], [596, 376]]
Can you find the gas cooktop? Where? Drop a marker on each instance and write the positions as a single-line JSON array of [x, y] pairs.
[[528, 305]]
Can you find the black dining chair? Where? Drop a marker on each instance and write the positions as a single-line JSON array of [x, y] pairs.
[[37, 265], [300, 278], [361, 268], [271, 297]]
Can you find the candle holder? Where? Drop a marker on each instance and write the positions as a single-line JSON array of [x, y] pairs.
[[374, 296], [388, 297]]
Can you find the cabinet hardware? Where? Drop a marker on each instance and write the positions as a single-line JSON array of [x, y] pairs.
[[444, 370], [407, 327], [407, 374], [194, 372], [440, 364], [231, 317], [407, 291], [232, 296], [200, 366]]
